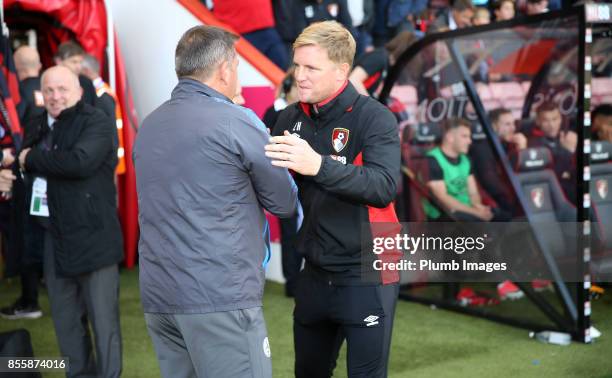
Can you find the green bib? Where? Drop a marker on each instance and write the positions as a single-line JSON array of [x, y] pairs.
[[455, 179]]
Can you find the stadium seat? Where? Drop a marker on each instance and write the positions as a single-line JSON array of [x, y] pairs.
[[601, 203], [507, 90], [546, 202], [416, 142], [407, 94], [479, 141]]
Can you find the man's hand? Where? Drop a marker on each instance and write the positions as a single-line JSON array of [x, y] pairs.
[[22, 157], [290, 151], [483, 212], [605, 133], [6, 180], [519, 140], [569, 140], [7, 157]]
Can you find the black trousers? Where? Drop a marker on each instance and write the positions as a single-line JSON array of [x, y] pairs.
[[291, 260], [325, 315]]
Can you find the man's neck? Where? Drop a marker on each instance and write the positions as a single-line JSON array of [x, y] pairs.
[[449, 152], [29, 75], [216, 85], [337, 90]]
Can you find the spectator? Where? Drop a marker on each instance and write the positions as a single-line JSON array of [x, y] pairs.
[[536, 7], [503, 10], [504, 125], [395, 16], [362, 14], [254, 20], [204, 237], [451, 180], [487, 167], [481, 16], [298, 14], [70, 54], [107, 99], [286, 95], [69, 158], [602, 122], [27, 64], [561, 143], [457, 17], [370, 69], [90, 68], [291, 260]]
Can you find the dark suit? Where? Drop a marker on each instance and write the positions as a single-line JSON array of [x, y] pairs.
[[81, 239]]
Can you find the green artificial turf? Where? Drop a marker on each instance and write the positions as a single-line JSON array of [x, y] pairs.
[[426, 342]]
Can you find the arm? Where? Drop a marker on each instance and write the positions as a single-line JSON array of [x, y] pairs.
[[473, 191], [106, 103], [438, 189], [86, 155], [273, 186], [373, 182], [6, 180], [357, 77]]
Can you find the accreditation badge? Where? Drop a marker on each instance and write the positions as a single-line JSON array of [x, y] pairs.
[[38, 205]]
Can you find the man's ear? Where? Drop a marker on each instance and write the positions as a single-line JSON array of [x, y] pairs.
[[57, 61], [224, 72], [343, 71]]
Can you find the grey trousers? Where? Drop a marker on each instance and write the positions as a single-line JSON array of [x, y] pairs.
[[75, 303], [213, 345]]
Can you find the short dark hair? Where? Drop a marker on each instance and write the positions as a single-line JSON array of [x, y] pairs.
[[454, 123], [548, 106], [462, 5], [68, 49], [495, 114], [602, 110], [201, 49], [498, 4], [91, 62]]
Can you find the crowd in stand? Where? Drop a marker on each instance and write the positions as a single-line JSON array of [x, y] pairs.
[[273, 25]]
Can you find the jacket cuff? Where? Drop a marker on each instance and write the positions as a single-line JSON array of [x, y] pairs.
[[323, 170], [30, 159]]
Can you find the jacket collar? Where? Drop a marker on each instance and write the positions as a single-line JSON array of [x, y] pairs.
[[333, 108], [69, 112], [188, 86]]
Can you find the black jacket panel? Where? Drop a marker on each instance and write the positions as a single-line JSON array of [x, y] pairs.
[[336, 200], [79, 169]]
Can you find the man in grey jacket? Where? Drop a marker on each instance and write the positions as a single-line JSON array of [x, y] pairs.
[[203, 182]]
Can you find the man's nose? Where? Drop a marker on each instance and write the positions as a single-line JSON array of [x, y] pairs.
[[299, 74]]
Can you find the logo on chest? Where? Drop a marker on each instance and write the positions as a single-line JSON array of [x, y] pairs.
[[340, 138]]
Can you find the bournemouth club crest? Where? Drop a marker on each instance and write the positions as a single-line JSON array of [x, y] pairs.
[[537, 197], [602, 188], [340, 138]]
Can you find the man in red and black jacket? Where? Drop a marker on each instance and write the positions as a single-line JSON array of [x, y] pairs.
[[345, 151]]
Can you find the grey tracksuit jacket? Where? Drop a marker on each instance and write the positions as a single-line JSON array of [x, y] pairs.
[[203, 181]]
